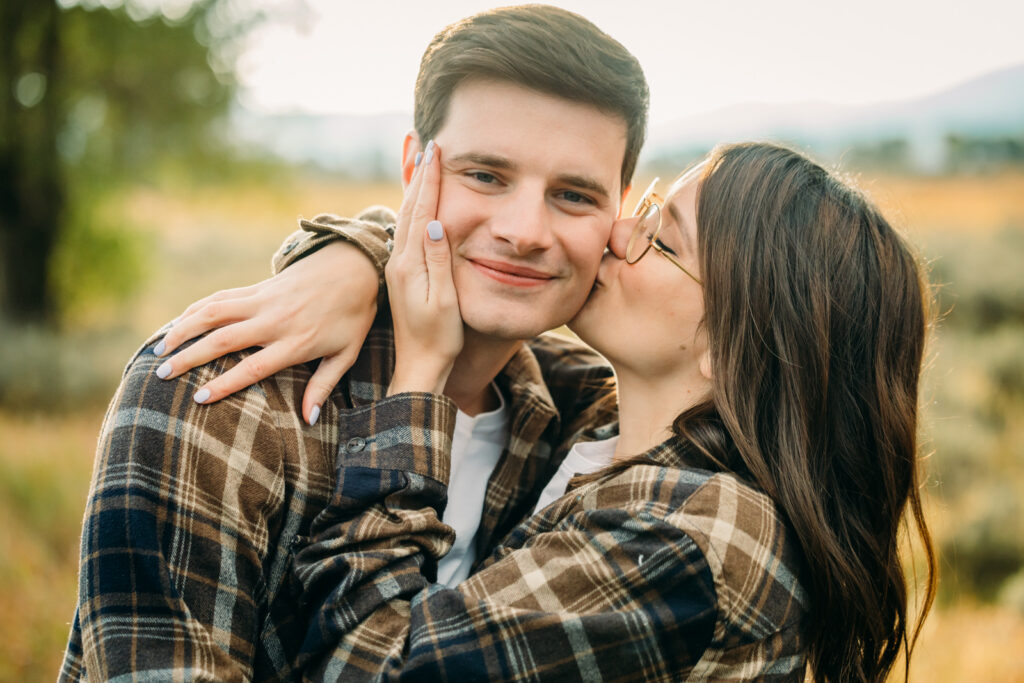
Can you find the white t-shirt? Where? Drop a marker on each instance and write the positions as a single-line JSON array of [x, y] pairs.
[[476, 447], [584, 458]]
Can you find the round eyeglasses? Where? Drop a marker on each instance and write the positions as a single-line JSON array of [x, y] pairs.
[[645, 234]]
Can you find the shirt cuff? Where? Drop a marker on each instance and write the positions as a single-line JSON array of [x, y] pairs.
[[371, 232], [409, 432]]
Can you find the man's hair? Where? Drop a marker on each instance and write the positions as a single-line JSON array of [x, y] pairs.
[[542, 48]]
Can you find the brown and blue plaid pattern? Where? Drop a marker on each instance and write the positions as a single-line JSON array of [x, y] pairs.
[[192, 510], [656, 573], [660, 572], [194, 513]]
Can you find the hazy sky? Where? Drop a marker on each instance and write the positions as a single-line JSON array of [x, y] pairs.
[[361, 56]]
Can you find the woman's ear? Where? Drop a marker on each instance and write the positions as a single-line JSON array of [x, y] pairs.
[[705, 365], [410, 148]]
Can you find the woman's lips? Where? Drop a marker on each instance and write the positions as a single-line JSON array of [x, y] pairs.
[[511, 274]]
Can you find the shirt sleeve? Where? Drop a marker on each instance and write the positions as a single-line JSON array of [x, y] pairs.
[[614, 590], [371, 232], [182, 505]]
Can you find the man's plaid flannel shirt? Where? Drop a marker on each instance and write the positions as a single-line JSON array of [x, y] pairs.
[[192, 510], [195, 512]]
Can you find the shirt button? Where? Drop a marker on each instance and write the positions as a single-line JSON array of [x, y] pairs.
[[355, 444], [289, 247]]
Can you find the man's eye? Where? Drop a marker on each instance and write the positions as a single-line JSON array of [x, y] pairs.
[[483, 177], [576, 197]]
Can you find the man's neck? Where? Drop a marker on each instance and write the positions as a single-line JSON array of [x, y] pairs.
[[480, 361]]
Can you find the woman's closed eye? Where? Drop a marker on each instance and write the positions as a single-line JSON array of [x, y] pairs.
[[661, 245]]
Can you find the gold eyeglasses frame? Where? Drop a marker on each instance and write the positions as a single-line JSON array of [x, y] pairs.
[[649, 209]]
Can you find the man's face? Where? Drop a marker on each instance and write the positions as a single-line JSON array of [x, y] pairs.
[[530, 186]]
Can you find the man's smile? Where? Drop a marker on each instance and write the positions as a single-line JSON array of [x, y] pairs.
[[511, 274]]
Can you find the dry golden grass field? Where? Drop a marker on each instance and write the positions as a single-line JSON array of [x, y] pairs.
[[200, 241]]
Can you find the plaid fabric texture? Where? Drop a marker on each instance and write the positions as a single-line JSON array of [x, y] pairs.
[[369, 231], [655, 573], [196, 513], [193, 510], [186, 543]]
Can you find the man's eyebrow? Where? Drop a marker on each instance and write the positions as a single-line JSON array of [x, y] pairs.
[[586, 183], [489, 160], [677, 218]]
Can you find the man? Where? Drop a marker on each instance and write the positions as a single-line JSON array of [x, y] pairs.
[[194, 511]]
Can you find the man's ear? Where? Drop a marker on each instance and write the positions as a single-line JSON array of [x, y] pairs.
[[622, 202], [410, 148]]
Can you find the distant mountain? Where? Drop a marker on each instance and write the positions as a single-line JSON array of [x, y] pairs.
[[992, 104]]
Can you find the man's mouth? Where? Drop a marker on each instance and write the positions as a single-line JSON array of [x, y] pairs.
[[510, 273]]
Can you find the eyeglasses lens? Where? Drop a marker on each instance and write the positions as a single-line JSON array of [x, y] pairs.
[[643, 234]]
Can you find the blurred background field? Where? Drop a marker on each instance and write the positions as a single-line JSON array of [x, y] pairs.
[[153, 203]]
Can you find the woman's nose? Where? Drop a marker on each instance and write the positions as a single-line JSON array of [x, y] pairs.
[[619, 238]]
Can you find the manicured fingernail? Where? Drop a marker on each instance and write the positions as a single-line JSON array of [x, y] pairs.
[[434, 230], [314, 415], [419, 158], [202, 396], [164, 370], [430, 152], [159, 349]]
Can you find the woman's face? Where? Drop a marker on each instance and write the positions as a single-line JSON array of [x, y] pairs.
[[646, 317]]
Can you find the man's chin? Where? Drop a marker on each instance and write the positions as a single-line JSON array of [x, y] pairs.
[[509, 328]]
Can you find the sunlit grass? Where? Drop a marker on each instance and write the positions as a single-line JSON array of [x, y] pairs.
[[964, 204], [968, 642], [45, 465]]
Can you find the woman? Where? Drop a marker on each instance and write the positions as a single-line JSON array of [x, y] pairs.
[[766, 330]]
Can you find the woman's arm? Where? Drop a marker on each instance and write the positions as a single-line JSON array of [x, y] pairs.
[[604, 585], [318, 307]]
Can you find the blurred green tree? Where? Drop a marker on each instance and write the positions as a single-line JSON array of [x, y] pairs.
[[31, 183], [95, 95]]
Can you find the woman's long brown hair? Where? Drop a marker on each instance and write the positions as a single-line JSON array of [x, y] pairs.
[[816, 313]]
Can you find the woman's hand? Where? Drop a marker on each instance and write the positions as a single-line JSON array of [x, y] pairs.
[[424, 305], [319, 307]]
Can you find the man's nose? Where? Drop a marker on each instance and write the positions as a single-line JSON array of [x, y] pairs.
[[525, 223], [619, 237]]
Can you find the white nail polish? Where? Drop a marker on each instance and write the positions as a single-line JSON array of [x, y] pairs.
[[314, 415], [164, 370], [159, 349], [201, 396], [430, 153], [434, 231]]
